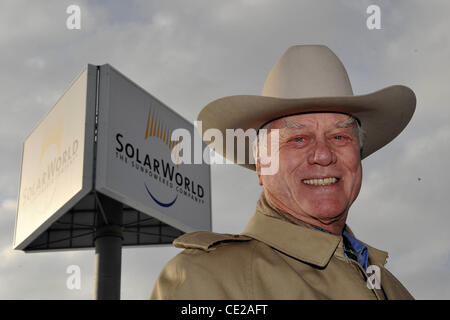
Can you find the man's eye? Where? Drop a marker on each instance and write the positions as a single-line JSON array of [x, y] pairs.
[[299, 139], [341, 139]]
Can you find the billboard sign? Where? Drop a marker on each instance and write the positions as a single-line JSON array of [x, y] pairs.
[[134, 156], [106, 134], [57, 160]]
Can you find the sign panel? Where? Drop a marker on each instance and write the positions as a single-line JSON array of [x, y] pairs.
[[134, 156], [108, 135], [57, 161]]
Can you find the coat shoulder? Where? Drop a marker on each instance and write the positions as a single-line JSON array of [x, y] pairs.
[[211, 266], [207, 241]]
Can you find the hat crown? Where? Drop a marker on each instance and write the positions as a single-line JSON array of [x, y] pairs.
[[306, 71]]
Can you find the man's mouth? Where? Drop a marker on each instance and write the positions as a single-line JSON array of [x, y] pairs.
[[321, 182]]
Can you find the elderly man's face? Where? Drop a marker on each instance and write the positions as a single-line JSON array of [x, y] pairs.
[[320, 171]]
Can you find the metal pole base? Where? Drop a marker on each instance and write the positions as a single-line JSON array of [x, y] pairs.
[[108, 251]]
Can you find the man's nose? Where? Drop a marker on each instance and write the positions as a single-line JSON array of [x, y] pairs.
[[322, 154]]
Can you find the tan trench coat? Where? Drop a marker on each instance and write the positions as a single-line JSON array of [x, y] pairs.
[[276, 257]]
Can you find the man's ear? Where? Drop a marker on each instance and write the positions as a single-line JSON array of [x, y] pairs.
[[257, 162]]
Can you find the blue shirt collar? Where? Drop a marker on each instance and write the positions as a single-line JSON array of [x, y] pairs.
[[353, 248]]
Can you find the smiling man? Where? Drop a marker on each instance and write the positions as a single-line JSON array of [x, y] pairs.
[[297, 245]]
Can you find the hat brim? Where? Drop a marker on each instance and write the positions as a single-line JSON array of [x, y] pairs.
[[383, 114]]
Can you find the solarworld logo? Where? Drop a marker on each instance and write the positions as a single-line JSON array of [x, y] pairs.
[[54, 159], [163, 173]]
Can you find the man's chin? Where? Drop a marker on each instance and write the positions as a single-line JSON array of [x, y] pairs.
[[328, 213]]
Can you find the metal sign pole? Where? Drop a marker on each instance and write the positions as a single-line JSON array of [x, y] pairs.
[[108, 249]]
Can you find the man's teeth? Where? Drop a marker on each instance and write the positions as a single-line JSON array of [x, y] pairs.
[[320, 182]]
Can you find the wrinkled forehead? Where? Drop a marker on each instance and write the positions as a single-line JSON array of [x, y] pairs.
[[298, 121]]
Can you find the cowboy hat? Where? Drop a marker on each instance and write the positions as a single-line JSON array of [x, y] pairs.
[[311, 78]]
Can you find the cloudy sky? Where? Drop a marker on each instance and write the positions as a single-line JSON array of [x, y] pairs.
[[188, 53]]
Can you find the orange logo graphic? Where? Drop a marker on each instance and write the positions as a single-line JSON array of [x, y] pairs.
[[156, 128]]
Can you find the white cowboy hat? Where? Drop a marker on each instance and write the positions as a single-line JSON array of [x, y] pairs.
[[311, 78]]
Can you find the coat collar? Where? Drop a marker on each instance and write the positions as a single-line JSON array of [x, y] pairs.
[[296, 238], [293, 238]]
